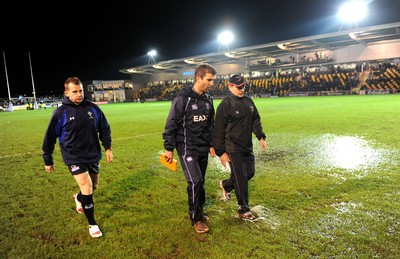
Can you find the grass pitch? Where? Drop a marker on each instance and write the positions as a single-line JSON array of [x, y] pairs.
[[327, 187]]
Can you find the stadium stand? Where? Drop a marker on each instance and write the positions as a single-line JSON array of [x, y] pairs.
[[357, 61]]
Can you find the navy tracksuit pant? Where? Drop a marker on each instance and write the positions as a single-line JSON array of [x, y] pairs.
[[194, 169], [242, 170]]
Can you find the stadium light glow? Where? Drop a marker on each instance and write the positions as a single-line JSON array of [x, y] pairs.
[[352, 12], [225, 38], [152, 54]]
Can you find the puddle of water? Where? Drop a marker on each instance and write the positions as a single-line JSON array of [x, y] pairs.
[[346, 152], [328, 152]]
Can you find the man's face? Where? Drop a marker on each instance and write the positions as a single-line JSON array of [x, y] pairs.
[[237, 91], [206, 82], [74, 93]]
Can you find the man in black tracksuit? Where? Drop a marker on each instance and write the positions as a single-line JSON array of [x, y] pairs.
[[188, 129], [79, 125], [236, 120]]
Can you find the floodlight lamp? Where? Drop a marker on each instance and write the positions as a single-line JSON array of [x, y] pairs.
[[225, 37], [353, 11], [152, 53]]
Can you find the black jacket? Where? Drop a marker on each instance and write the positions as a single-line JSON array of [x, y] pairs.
[[236, 120], [189, 124], [78, 129]]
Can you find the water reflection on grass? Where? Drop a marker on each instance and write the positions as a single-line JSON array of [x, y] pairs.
[[326, 153], [346, 152]]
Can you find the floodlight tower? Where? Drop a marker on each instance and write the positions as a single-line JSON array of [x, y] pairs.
[[151, 54], [352, 12], [225, 38], [8, 85], [35, 105]]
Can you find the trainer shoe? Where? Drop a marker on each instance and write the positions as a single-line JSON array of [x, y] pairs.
[[227, 196], [94, 231], [201, 227], [247, 215], [79, 208]]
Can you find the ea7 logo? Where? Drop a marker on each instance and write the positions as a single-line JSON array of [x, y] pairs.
[[198, 118]]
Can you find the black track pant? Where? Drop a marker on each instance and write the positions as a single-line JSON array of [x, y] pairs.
[[242, 170], [194, 169]]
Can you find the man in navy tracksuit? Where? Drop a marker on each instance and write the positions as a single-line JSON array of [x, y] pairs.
[[188, 129], [236, 120], [79, 125]]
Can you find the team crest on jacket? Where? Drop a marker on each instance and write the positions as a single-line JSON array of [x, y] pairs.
[[90, 115], [194, 107]]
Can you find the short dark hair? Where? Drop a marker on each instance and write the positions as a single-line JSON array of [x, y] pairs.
[[74, 80], [203, 69]]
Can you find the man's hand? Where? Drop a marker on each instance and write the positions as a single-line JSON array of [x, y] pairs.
[[109, 155], [225, 160], [169, 155], [49, 168], [263, 144], [212, 152]]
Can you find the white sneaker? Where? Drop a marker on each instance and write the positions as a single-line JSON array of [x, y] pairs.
[[79, 208], [94, 231]]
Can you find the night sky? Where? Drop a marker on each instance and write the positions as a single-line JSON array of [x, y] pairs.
[[93, 40]]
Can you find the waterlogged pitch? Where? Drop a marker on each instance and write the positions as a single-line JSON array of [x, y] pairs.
[[327, 187]]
